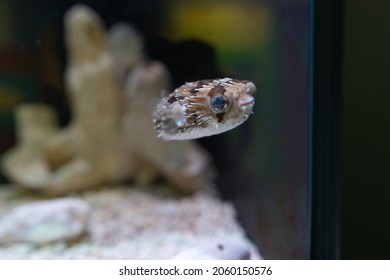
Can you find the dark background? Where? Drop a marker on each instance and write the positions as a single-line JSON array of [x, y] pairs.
[[365, 145], [350, 202]]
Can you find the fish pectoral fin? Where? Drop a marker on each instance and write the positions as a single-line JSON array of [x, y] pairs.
[[153, 103], [164, 93]]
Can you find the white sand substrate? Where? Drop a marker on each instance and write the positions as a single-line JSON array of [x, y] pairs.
[[130, 222]]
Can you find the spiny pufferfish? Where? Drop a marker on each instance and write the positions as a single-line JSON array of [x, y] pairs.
[[203, 108]]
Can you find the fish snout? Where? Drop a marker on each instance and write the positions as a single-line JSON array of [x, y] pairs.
[[246, 103], [251, 88]]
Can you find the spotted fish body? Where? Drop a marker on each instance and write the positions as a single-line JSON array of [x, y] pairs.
[[203, 108]]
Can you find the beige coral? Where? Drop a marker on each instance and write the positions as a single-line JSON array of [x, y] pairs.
[[110, 138], [25, 164]]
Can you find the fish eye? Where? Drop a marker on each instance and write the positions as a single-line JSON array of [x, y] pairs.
[[219, 103]]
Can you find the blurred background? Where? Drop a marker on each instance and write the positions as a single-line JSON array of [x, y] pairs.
[[263, 165]]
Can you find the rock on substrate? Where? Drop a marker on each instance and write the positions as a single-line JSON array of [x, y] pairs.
[[45, 221], [140, 223], [224, 249]]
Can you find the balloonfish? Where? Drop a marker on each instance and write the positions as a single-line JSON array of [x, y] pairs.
[[203, 108]]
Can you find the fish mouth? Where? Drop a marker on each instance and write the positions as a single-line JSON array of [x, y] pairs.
[[247, 104]]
